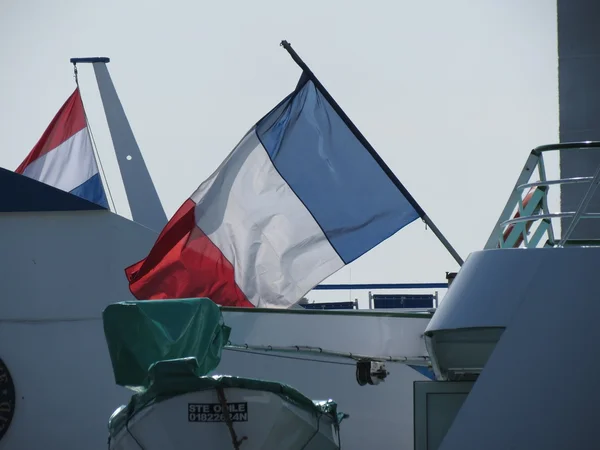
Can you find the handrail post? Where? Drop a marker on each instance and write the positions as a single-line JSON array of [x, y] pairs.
[[582, 207], [530, 164]]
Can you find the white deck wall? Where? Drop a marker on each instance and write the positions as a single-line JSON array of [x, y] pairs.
[[60, 270]]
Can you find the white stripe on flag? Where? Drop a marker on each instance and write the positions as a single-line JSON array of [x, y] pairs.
[[67, 166], [249, 212]]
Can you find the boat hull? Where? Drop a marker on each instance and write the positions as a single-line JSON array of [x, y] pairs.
[[260, 420]]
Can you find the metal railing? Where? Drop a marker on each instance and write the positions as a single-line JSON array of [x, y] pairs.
[[524, 210], [379, 286], [373, 286]]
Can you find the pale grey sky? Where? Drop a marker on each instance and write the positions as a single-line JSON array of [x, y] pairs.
[[452, 94]]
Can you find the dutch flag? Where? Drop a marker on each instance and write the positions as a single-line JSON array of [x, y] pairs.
[[64, 157]]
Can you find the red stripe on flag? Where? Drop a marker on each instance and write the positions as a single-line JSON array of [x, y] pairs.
[[184, 263], [69, 120]]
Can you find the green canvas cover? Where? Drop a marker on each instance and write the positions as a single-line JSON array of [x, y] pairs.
[[140, 333], [168, 379]]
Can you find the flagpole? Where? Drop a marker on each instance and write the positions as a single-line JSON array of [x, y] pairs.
[[371, 150]]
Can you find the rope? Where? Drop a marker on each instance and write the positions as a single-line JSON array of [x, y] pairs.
[[94, 147], [131, 434], [234, 439]]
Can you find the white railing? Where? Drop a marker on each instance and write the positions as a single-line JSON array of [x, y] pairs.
[[526, 218]]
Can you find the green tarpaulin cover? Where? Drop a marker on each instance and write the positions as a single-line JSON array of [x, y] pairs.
[[168, 379], [140, 333]]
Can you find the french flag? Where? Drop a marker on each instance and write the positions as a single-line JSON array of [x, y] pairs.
[[64, 157], [297, 199]]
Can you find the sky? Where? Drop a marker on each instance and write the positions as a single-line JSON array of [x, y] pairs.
[[452, 95]]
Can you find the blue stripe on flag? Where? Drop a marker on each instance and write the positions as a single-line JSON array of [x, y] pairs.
[[333, 174], [93, 191]]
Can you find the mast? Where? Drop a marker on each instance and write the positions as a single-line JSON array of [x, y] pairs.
[[144, 203]]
